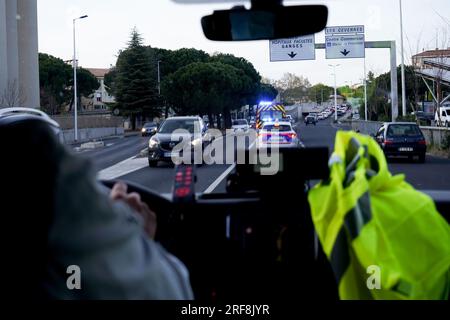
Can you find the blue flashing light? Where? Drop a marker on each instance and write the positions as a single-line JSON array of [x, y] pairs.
[[265, 103]]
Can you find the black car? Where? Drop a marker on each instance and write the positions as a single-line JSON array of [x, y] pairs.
[[149, 129], [161, 145], [311, 120], [402, 139]]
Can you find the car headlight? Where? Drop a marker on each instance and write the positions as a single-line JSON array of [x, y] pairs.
[[144, 130], [153, 143], [196, 142]]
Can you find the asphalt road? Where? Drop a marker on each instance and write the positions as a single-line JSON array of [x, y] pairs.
[[433, 175], [115, 151]]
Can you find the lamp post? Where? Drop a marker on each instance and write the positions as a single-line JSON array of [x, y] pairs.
[[75, 96], [403, 61], [335, 90], [159, 77]]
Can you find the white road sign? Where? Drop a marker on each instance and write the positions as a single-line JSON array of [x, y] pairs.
[[345, 46], [293, 49], [344, 30]]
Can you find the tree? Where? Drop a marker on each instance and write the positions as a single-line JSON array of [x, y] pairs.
[[56, 83], [205, 89], [172, 61], [12, 96], [293, 88], [134, 84], [379, 93], [292, 81], [320, 93], [87, 83], [267, 92], [251, 79]]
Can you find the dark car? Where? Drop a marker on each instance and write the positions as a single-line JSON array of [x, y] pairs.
[[161, 145], [402, 139], [149, 129], [311, 120]]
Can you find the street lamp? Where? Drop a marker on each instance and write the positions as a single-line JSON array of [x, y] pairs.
[[159, 77], [403, 62], [335, 90], [364, 81], [75, 97]]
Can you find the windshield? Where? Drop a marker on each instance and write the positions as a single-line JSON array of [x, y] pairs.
[[169, 126], [240, 123], [280, 128], [121, 77], [271, 114], [405, 130]]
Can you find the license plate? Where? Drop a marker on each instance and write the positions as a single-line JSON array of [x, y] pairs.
[[171, 154], [405, 149], [276, 139]]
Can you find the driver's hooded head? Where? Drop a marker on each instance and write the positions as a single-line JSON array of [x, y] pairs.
[[29, 164]]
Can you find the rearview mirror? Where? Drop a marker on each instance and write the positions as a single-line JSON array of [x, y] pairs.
[[240, 24]]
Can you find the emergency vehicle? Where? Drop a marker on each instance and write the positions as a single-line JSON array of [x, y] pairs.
[[268, 111]]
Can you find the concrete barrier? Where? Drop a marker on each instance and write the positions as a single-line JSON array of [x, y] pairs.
[[89, 134], [365, 127], [89, 121], [436, 136]]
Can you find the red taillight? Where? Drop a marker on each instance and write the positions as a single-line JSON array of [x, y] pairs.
[[289, 135], [422, 142], [388, 141]]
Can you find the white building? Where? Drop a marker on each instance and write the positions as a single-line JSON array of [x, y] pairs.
[[19, 60], [101, 97]]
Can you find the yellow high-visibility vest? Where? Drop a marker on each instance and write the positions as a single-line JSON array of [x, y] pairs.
[[383, 238]]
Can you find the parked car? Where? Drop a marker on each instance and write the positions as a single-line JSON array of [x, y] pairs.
[[402, 139], [444, 120]]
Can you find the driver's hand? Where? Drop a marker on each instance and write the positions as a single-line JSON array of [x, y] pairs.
[[120, 193]]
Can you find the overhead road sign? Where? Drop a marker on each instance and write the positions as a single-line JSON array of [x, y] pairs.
[[345, 46], [344, 30], [293, 49], [345, 42]]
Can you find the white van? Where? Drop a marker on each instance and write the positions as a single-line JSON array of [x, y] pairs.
[[445, 116]]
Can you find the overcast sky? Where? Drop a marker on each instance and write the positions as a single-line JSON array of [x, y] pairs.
[[165, 24]]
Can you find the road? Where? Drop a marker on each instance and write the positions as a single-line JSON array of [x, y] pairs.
[[433, 175]]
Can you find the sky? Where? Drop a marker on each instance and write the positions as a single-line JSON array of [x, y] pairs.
[[169, 25]]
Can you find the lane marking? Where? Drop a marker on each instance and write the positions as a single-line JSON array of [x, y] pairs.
[[123, 168], [219, 180], [222, 177], [135, 163]]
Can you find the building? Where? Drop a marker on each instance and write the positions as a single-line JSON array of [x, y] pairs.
[[434, 68], [19, 59], [340, 99], [101, 98], [419, 59]]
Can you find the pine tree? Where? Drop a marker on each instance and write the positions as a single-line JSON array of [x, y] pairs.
[[136, 86]]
